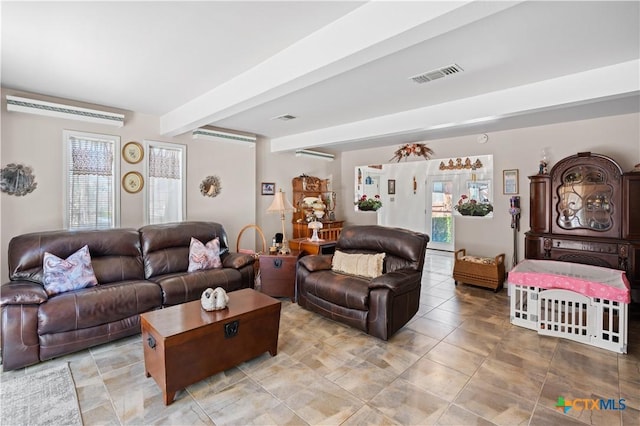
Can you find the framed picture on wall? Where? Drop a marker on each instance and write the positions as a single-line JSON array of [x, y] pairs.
[[268, 188], [510, 182], [391, 186]]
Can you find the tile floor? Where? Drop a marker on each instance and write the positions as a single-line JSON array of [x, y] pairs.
[[458, 362]]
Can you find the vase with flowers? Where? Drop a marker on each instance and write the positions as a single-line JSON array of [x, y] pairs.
[[369, 204], [471, 207]]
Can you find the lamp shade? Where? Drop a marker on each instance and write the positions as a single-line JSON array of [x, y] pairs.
[[280, 204]]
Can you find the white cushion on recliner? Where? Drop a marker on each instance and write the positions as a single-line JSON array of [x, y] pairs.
[[364, 265]]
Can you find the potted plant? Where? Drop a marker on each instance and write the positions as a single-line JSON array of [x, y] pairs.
[[471, 207], [369, 204]]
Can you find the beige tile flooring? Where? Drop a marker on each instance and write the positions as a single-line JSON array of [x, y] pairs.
[[458, 362]]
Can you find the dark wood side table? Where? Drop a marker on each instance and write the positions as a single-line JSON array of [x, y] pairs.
[[278, 274], [306, 246]]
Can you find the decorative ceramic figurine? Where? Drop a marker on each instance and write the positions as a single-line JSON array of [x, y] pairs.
[[214, 300]]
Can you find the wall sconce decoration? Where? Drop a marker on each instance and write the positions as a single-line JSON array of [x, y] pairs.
[[17, 179], [415, 185], [417, 149], [457, 165], [210, 186]]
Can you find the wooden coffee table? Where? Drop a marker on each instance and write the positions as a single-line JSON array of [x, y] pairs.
[[184, 344]]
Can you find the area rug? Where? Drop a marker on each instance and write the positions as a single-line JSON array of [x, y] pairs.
[[46, 397]]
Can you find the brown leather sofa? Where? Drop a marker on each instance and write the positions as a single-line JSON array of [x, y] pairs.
[[378, 306], [137, 271]]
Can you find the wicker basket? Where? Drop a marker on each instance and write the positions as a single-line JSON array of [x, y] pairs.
[[481, 271]]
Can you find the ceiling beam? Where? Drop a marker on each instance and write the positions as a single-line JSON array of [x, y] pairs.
[[589, 86], [370, 32]]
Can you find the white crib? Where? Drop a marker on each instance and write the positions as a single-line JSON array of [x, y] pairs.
[[588, 304]]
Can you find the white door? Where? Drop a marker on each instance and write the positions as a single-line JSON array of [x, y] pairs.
[[439, 197]]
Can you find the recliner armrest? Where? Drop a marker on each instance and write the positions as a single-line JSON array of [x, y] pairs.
[[237, 260], [317, 262], [396, 280], [22, 293]]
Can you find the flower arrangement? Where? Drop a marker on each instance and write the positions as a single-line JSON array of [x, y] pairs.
[[470, 207], [369, 204], [418, 149]]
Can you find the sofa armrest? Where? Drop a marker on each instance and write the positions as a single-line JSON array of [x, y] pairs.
[[22, 293], [237, 260], [396, 280], [316, 262]]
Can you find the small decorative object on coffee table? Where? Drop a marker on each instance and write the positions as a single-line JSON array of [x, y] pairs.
[[214, 300]]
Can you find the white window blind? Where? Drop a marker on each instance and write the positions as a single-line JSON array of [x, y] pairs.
[[92, 184], [165, 176]]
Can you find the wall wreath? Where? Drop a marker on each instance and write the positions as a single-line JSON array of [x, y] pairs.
[[17, 179], [210, 186]]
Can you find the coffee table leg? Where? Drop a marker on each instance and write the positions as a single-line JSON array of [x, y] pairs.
[[169, 397], [273, 350]]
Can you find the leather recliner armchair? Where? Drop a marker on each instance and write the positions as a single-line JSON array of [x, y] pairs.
[[378, 306]]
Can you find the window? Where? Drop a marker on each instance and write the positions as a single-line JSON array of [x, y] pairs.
[[479, 191], [166, 182], [92, 185]]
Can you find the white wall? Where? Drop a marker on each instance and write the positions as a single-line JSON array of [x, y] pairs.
[[616, 137]]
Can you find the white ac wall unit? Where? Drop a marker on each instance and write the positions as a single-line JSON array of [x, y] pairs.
[[217, 135], [50, 109], [314, 154]]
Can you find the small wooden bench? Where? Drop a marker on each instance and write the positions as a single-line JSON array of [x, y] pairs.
[[481, 271]]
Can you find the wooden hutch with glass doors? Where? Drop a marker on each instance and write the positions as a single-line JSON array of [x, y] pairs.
[[586, 210]]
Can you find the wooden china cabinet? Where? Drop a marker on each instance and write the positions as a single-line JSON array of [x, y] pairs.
[[310, 186], [587, 211]]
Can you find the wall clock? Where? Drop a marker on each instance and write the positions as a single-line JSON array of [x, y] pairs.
[[132, 182], [132, 152]]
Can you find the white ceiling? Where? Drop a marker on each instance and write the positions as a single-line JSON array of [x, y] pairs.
[[341, 67]]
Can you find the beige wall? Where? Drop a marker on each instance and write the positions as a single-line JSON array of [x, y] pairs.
[[616, 137], [37, 141]]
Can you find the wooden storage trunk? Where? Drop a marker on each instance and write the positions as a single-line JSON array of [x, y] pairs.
[[184, 344], [481, 271]]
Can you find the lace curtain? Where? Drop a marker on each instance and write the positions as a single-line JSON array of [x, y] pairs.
[[164, 163], [90, 157]]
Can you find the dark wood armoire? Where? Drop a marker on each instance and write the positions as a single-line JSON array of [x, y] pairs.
[[587, 210]]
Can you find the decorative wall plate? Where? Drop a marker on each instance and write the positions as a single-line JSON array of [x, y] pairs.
[[132, 152], [132, 182]]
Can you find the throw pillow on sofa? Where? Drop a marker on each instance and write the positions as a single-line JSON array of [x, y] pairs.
[[364, 265], [204, 256], [73, 273]]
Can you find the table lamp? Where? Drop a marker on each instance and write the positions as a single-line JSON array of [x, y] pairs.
[[281, 205], [315, 225]]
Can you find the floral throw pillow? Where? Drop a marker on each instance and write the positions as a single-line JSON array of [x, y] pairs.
[[204, 256], [72, 273]]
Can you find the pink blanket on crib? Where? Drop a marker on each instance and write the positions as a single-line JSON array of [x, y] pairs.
[[591, 281]]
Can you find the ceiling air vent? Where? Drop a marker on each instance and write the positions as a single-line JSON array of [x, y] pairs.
[[428, 76], [285, 117]]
